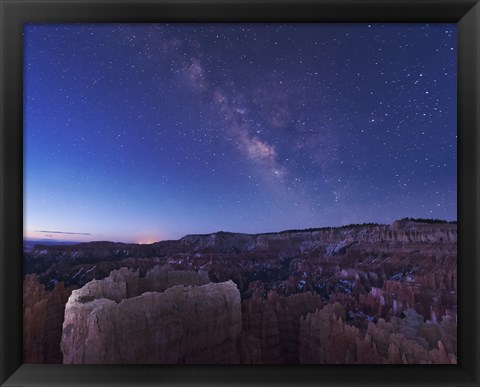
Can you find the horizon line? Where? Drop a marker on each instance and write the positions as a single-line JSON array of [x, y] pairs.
[[419, 220]]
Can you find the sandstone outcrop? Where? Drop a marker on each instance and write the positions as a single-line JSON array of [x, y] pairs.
[[42, 321], [325, 338], [108, 322], [275, 322]]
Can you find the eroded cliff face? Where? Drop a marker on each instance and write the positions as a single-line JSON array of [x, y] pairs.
[[275, 322], [330, 240], [109, 322], [43, 313], [325, 338]]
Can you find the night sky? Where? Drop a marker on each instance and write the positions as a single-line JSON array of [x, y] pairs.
[[139, 133]]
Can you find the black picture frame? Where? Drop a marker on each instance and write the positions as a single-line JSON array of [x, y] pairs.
[[14, 13]]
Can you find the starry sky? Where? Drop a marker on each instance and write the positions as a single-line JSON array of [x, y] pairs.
[[146, 132]]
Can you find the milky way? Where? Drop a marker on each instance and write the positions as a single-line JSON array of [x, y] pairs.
[[153, 131]]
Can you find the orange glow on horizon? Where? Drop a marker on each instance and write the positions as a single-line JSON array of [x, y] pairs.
[[147, 240]]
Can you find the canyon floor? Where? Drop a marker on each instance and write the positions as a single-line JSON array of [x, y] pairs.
[[358, 294]]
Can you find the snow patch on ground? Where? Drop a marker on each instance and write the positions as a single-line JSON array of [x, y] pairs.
[[335, 248]]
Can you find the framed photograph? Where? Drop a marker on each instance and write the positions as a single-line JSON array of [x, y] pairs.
[[236, 193]]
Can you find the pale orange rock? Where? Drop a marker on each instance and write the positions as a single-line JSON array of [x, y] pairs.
[[42, 321], [326, 339], [275, 321], [183, 324]]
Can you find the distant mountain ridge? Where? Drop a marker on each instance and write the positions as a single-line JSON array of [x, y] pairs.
[[235, 243]]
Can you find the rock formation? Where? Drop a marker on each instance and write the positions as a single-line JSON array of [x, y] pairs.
[[377, 273], [331, 240], [109, 322], [325, 338], [42, 321], [275, 322]]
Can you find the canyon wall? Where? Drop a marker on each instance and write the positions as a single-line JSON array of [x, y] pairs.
[[43, 313], [275, 322], [108, 322], [325, 338], [287, 242]]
